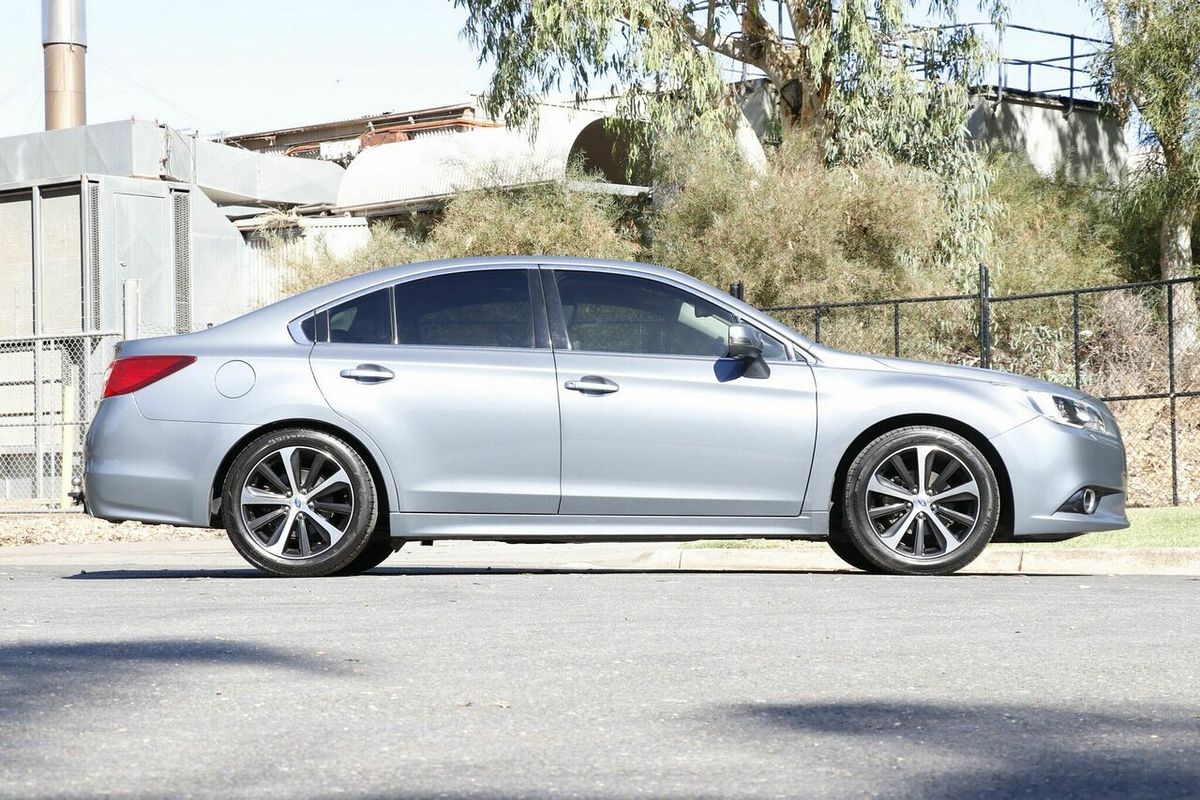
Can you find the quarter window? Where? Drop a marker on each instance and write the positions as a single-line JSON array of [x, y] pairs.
[[366, 319], [484, 308]]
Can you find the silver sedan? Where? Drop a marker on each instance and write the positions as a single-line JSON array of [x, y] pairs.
[[566, 400]]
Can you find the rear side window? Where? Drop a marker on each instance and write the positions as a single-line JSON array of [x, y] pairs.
[[364, 320], [485, 308]]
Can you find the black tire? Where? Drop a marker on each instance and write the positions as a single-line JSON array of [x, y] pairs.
[[846, 551], [378, 550], [300, 550], [920, 500]]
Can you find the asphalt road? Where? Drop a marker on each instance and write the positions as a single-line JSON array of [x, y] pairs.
[[455, 682]]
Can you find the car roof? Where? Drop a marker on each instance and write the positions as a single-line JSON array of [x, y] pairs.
[[270, 322]]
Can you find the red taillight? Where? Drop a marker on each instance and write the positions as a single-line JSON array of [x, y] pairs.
[[127, 375]]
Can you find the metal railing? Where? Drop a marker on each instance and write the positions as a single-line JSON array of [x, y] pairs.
[[1024, 59], [1116, 342], [1063, 70]]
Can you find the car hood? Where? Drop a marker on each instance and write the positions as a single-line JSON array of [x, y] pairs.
[[994, 377]]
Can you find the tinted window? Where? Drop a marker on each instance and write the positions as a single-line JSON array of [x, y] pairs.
[[363, 320], [488, 308], [608, 313]]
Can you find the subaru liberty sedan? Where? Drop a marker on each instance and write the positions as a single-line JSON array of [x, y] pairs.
[[567, 400]]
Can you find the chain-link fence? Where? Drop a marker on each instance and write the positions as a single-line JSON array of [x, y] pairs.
[[49, 388], [1128, 345]]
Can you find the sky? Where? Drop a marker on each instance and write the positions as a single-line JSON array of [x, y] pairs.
[[236, 66]]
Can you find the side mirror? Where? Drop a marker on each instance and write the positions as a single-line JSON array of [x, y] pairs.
[[745, 344]]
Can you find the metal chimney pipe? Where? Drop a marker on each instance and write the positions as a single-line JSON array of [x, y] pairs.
[[64, 43]]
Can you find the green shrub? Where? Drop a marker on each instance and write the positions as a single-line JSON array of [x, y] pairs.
[[800, 232], [546, 219], [1049, 233], [386, 246]]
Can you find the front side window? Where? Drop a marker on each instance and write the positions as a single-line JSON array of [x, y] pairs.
[[366, 319], [611, 313], [483, 308]]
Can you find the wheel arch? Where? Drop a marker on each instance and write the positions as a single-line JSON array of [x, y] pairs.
[[377, 474], [1005, 526]]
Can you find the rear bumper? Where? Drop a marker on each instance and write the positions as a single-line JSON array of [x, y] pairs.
[[152, 470], [1047, 463]]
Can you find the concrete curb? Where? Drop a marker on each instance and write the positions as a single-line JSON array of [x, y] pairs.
[[1000, 559], [1004, 559]]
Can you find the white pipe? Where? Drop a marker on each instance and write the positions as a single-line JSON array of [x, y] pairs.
[[64, 22]]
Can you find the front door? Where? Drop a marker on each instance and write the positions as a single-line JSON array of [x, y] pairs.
[[456, 385], [657, 421]]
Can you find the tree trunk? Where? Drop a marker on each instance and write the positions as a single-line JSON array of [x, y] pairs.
[[801, 111], [1175, 261]]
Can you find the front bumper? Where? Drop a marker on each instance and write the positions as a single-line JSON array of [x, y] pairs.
[[1048, 462], [152, 470]]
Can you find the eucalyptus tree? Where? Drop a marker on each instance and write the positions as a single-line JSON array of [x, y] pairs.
[[852, 76], [1154, 67]]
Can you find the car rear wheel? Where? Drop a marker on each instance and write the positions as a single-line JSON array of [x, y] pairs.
[[920, 501], [301, 503]]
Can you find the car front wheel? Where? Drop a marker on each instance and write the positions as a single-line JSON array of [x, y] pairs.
[[920, 500], [300, 503]]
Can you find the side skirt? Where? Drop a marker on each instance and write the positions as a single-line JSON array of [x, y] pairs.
[[537, 528]]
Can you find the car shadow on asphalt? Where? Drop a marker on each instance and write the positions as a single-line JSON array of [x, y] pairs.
[[185, 574], [248, 572], [35, 671], [933, 749]]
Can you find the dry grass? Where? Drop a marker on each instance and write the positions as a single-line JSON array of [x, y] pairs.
[[79, 528]]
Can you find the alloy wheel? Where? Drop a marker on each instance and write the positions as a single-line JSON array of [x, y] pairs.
[[297, 502], [922, 502]]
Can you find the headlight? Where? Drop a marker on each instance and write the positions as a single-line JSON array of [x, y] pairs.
[[1067, 411]]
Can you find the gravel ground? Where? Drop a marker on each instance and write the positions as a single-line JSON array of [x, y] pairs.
[[79, 528]]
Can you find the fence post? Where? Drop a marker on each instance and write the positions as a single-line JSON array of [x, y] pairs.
[[1171, 391], [738, 290], [1071, 73], [1075, 328], [817, 324], [896, 329], [985, 319], [68, 419], [39, 438]]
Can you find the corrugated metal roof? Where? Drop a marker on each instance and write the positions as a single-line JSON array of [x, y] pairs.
[[430, 168], [383, 118]]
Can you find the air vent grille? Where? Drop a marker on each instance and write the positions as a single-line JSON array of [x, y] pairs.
[[93, 212], [182, 208]]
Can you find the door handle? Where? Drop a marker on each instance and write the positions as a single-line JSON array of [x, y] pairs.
[[368, 373], [592, 384]]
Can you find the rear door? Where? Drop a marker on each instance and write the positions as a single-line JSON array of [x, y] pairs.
[[453, 377], [656, 420]]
